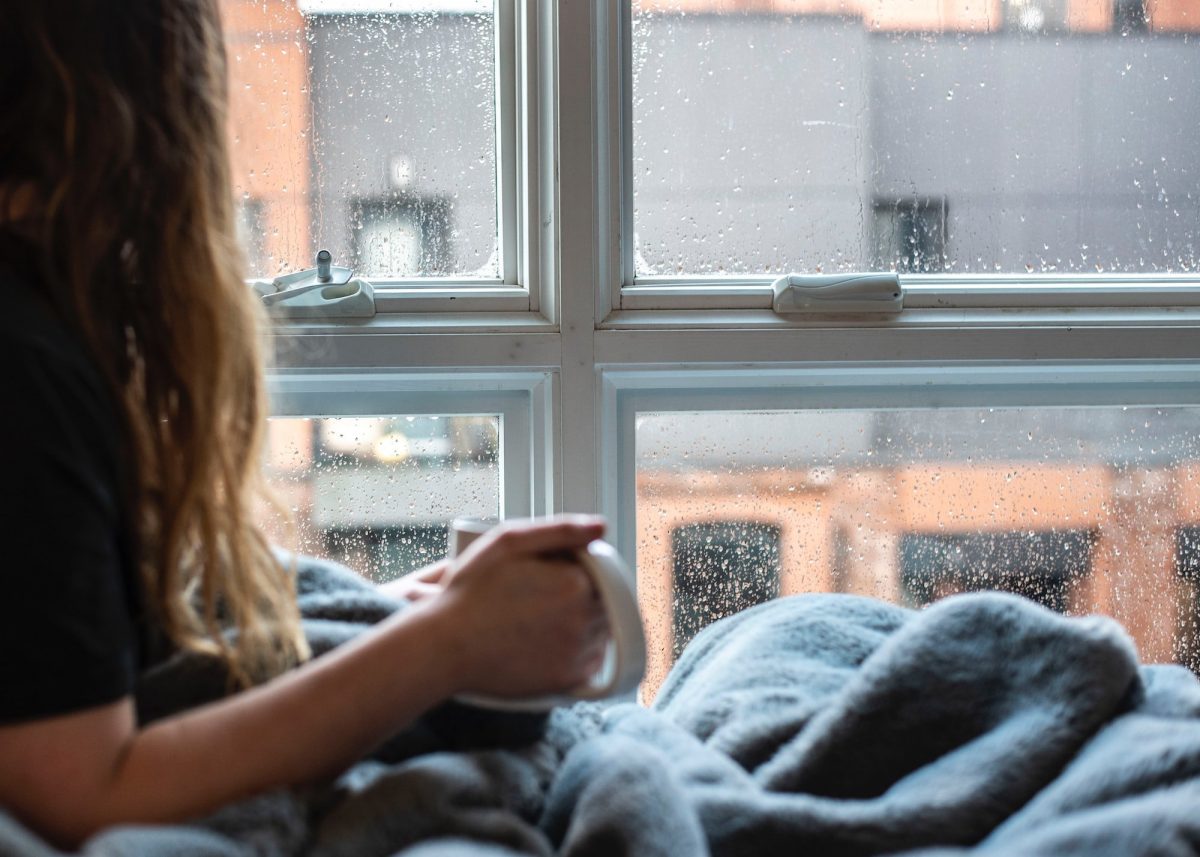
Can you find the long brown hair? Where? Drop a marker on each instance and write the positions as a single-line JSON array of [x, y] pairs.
[[114, 125]]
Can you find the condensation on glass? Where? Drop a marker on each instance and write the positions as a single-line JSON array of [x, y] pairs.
[[378, 493], [369, 129], [1003, 136], [1083, 509]]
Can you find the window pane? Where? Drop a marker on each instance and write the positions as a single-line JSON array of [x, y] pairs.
[[378, 493], [367, 128], [1085, 510], [1013, 136]]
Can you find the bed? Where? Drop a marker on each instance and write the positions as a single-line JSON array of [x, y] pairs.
[[817, 724]]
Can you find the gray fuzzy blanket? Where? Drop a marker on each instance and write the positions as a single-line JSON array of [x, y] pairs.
[[822, 724]]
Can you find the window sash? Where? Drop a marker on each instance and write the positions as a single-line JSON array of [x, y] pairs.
[[523, 402], [862, 386], [625, 291], [523, 153], [531, 92]]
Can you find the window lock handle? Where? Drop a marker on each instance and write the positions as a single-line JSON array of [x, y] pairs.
[[326, 291], [806, 294]]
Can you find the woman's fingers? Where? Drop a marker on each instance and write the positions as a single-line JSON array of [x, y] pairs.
[[566, 534], [421, 591], [534, 621], [432, 573], [417, 585]]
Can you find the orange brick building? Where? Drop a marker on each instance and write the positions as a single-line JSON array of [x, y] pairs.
[[843, 532], [270, 124]]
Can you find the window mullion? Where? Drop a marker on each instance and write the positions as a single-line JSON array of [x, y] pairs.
[[579, 212]]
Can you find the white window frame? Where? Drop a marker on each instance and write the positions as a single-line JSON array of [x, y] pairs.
[[522, 293], [864, 385], [523, 402], [589, 337]]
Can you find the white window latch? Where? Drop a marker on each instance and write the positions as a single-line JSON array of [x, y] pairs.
[[803, 294], [326, 291]]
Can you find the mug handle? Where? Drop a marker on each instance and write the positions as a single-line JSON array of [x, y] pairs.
[[625, 659]]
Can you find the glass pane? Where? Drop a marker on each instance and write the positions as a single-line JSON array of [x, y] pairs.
[[367, 128], [1011, 136], [1085, 510], [378, 493]]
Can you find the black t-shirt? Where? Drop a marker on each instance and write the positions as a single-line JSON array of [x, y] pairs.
[[69, 604]]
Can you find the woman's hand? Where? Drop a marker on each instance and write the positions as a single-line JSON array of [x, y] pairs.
[[417, 585], [525, 618]]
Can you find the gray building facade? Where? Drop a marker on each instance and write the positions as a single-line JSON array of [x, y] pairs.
[[766, 143]]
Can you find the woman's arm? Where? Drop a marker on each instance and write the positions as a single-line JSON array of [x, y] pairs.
[[510, 622]]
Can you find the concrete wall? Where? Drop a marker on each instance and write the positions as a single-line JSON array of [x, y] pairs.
[[764, 142], [1056, 153]]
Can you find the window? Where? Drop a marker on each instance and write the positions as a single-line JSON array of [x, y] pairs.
[[402, 237], [324, 116], [1047, 566], [573, 213], [1187, 561], [424, 127], [1036, 16], [1081, 508], [372, 467], [812, 137], [719, 568], [910, 235], [1129, 16], [379, 492]]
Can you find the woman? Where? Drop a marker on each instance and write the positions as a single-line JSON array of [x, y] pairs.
[[135, 410]]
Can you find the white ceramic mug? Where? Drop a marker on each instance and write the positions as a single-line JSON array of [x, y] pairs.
[[625, 659]]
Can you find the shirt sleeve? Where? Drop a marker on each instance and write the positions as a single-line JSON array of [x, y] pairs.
[[67, 640]]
